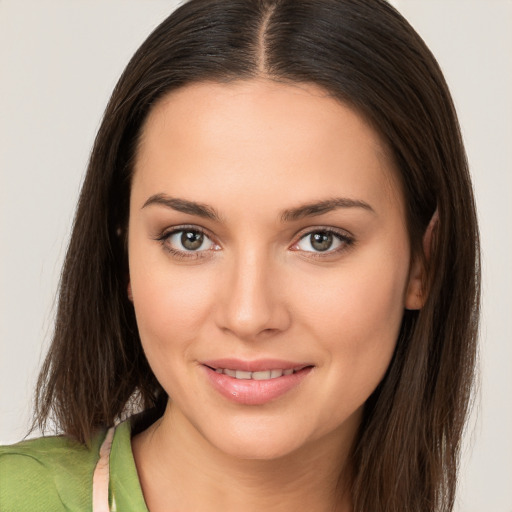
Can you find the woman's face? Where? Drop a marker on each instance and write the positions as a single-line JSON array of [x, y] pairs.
[[269, 263]]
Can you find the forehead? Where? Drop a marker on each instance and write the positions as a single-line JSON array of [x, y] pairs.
[[290, 141]]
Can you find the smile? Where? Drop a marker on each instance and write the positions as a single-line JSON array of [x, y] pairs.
[[254, 382], [259, 375]]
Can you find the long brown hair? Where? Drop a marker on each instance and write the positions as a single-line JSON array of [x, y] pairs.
[[365, 54]]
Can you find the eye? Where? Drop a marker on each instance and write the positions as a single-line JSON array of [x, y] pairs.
[[189, 240], [322, 241]]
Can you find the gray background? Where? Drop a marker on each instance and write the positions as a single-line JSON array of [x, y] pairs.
[[59, 61]]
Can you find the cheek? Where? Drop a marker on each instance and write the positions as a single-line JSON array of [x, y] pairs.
[[171, 308], [375, 303], [171, 302], [356, 316], [358, 303]]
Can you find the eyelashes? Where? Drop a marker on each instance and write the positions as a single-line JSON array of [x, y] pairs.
[[323, 242], [187, 242], [193, 242]]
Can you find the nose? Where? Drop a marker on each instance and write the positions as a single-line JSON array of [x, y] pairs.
[[252, 303]]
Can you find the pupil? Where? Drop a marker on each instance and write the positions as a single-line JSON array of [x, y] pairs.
[[321, 241], [192, 240]]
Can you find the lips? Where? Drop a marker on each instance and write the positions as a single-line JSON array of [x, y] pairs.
[[261, 375], [255, 365], [254, 382]]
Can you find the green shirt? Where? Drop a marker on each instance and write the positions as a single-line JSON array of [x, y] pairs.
[[55, 474]]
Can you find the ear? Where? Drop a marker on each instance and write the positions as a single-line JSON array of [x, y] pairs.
[[129, 291], [416, 295]]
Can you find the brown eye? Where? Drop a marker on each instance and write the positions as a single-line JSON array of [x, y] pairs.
[[321, 241], [189, 240], [192, 240]]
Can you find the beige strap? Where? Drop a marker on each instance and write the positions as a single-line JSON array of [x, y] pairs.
[[101, 476]]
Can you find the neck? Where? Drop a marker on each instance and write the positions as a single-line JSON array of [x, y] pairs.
[[178, 466]]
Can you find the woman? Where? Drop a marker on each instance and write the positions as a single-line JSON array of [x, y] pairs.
[[275, 259]]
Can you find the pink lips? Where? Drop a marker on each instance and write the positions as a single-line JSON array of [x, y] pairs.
[[250, 391]]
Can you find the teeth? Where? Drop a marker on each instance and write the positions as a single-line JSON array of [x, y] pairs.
[[260, 375]]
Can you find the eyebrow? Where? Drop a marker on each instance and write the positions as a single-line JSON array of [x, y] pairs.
[[321, 207], [288, 215], [184, 206]]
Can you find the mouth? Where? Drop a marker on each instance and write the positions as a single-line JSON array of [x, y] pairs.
[[274, 373], [256, 382]]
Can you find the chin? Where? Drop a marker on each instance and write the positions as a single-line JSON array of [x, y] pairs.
[[257, 440], [258, 449]]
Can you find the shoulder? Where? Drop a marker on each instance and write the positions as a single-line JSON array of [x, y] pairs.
[[49, 473]]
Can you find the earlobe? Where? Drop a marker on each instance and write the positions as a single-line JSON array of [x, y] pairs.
[[129, 291], [416, 294]]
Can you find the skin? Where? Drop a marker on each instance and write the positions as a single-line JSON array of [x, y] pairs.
[[251, 150]]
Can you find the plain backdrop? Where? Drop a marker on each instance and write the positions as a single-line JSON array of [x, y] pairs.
[[59, 61]]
